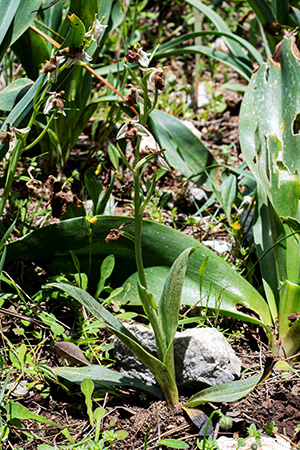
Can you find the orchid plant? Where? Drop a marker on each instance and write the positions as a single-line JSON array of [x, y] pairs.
[[163, 315]]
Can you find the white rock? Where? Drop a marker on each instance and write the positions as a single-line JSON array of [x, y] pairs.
[[202, 357], [218, 246], [267, 443]]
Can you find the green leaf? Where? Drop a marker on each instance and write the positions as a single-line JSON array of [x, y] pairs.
[[20, 111], [85, 10], [75, 34], [229, 192], [50, 247], [87, 388], [17, 411], [102, 376], [184, 151], [169, 304], [271, 151], [113, 324], [32, 52], [106, 270], [15, 17], [232, 61], [219, 23], [289, 336], [172, 443], [225, 392], [10, 94], [243, 43]]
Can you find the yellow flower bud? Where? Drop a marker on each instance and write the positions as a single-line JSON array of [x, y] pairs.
[[236, 226], [91, 219]]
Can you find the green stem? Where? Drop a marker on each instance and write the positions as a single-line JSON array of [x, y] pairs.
[[138, 224], [16, 154], [41, 135]]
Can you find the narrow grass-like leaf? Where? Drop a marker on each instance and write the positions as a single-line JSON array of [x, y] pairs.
[[185, 37]]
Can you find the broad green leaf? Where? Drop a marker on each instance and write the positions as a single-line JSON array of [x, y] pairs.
[[20, 111], [270, 139], [75, 34], [17, 411], [289, 336], [267, 110], [50, 247], [169, 304], [9, 95], [32, 51], [184, 151], [102, 376], [228, 193], [225, 392], [85, 10], [15, 17]]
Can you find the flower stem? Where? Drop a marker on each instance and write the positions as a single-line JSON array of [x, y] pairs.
[[138, 224]]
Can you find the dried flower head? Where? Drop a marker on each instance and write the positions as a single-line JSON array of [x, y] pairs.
[[74, 54], [52, 67], [132, 98], [55, 101], [10, 136], [32, 184]]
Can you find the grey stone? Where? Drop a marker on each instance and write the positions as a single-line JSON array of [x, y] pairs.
[[202, 357]]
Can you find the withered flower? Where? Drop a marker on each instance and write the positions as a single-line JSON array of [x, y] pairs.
[[55, 101], [114, 234], [133, 98], [10, 135], [32, 184], [52, 67], [74, 54]]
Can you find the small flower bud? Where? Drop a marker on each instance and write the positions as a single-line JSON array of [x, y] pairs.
[[225, 422]]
